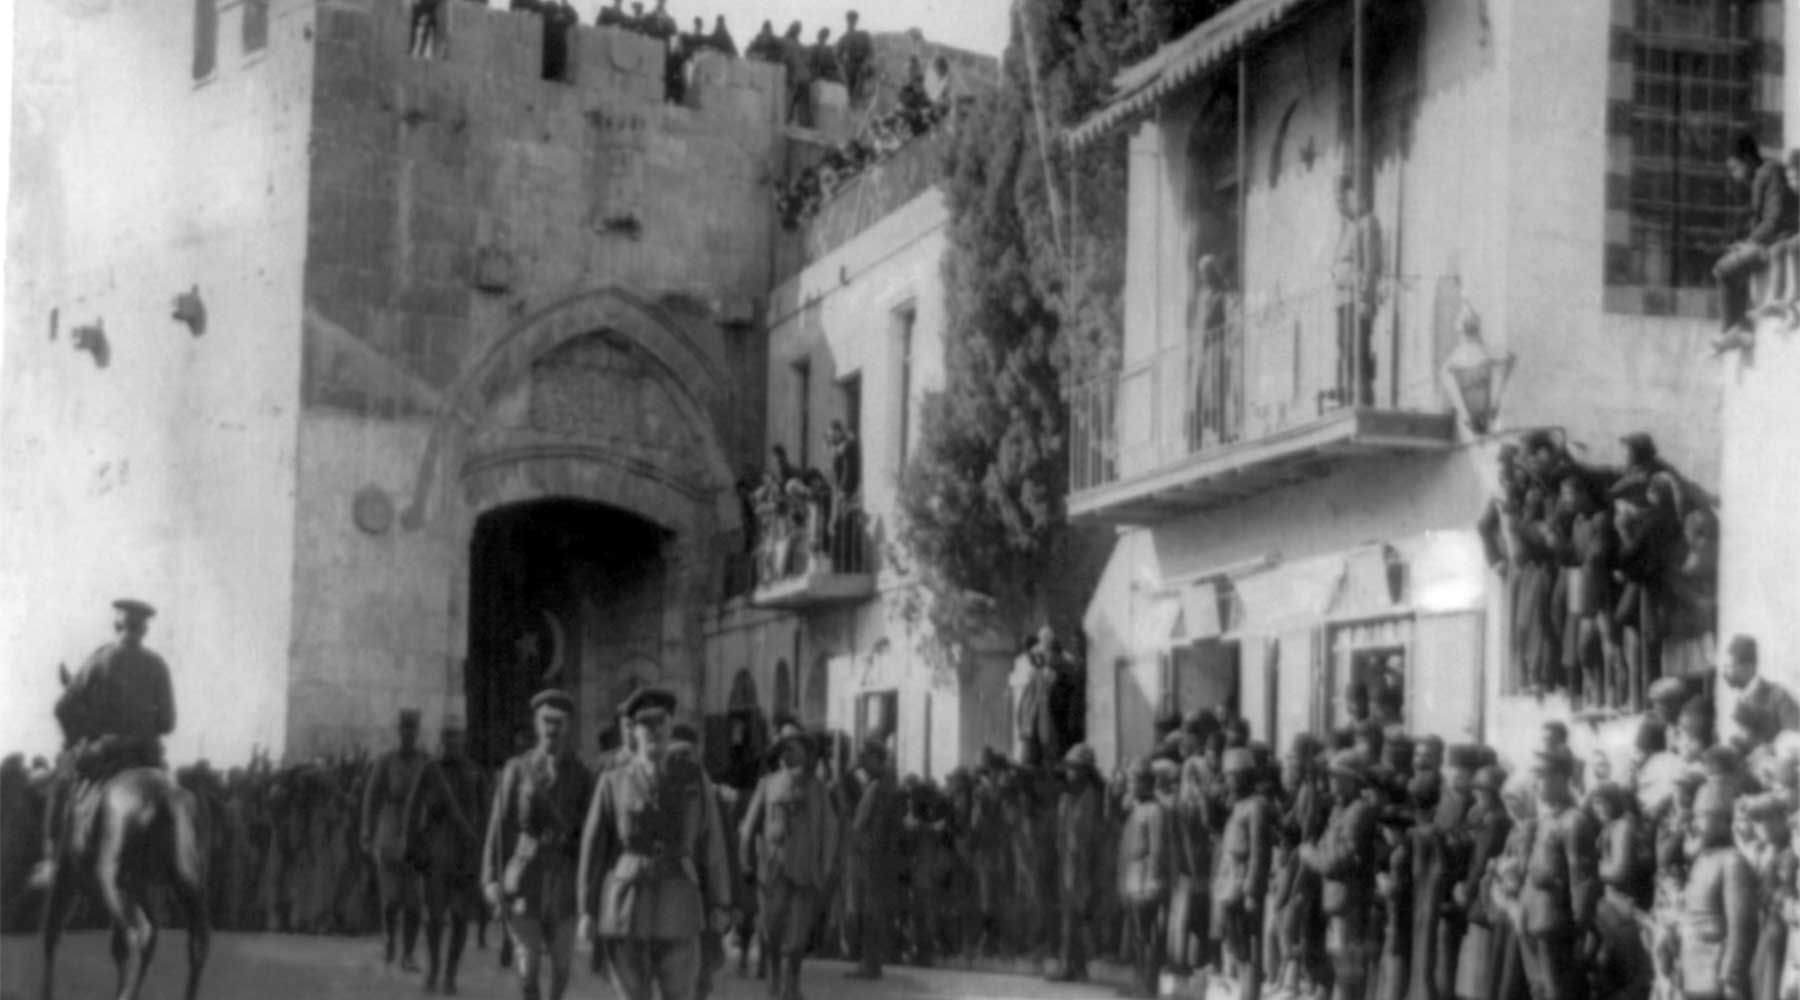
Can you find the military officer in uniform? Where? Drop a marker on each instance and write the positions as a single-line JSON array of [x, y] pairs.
[[871, 881], [1718, 908], [1562, 883], [653, 868], [1241, 877], [1345, 859], [1146, 872], [528, 863], [389, 781], [789, 838], [1080, 818], [444, 813], [114, 713]]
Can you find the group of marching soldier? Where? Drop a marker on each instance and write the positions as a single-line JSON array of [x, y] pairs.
[[1366, 863]]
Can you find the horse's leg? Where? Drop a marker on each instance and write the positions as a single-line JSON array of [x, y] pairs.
[[121, 954], [189, 885], [56, 915]]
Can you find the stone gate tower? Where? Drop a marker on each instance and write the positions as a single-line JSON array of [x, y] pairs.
[[469, 364]]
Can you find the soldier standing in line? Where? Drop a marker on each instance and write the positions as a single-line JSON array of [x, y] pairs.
[[987, 845], [390, 779], [1440, 864], [1556, 904], [789, 838], [1079, 815], [1241, 881], [652, 867], [443, 837], [1345, 858], [1145, 873], [1718, 916], [528, 863], [869, 876]]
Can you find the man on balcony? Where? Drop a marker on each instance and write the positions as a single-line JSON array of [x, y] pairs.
[[1768, 218], [1356, 274]]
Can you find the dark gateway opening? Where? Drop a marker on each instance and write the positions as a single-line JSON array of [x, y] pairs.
[[562, 593]]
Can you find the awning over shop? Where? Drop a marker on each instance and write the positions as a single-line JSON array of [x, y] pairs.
[[1139, 88], [1292, 595]]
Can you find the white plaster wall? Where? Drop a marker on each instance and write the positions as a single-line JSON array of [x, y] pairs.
[[1759, 585], [169, 474], [1599, 375]]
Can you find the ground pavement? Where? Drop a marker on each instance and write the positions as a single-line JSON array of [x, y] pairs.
[[302, 967]]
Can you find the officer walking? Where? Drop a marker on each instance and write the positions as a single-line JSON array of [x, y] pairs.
[[528, 864], [390, 779], [653, 868], [114, 713], [444, 813]]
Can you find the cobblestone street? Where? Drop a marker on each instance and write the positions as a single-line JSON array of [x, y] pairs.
[[297, 967]]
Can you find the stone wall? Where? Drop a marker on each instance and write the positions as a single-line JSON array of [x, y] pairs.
[[472, 223]]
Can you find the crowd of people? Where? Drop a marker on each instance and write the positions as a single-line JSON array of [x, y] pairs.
[[1612, 574], [925, 100], [802, 519], [850, 60], [1363, 862]]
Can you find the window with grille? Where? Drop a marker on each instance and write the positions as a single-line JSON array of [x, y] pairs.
[[1693, 68]]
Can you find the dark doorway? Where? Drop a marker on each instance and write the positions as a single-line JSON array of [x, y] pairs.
[[562, 593]]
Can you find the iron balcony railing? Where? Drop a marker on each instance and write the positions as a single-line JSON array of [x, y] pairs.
[[817, 535], [1246, 371]]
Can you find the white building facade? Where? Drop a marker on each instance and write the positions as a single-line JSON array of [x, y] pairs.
[[1284, 532]]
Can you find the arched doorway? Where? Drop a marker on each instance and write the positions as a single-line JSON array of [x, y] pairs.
[[562, 593], [579, 459]]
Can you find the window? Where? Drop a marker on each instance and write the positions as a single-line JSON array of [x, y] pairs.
[[206, 37], [803, 399], [255, 25], [904, 319], [1686, 76], [850, 399]]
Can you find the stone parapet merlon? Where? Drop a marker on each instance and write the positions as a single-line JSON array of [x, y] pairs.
[[607, 70]]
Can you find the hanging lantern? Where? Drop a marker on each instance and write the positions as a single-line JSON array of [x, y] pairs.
[[1474, 376]]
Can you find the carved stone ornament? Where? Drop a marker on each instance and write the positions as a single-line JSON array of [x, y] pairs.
[[494, 270], [373, 510]]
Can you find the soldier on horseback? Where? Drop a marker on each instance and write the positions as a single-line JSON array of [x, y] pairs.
[[114, 714]]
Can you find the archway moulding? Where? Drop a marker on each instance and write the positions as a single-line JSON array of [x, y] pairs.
[[453, 480]]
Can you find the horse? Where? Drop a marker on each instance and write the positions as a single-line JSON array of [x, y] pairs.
[[145, 831]]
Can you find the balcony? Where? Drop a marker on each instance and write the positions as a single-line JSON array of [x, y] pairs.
[[1259, 398], [815, 559]]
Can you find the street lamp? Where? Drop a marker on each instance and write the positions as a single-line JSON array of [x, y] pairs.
[[1474, 376]]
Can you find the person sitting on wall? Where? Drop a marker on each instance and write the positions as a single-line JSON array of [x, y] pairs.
[[1768, 218], [425, 28], [824, 60], [721, 40], [612, 17], [765, 47]]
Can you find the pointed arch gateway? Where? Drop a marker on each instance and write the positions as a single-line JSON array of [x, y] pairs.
[[579, 457]]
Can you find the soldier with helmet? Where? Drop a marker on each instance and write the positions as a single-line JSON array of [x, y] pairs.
[[443, 828], [390, 780], [789, 839], [1241, 876], [1345, 859], [1080, 815]]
